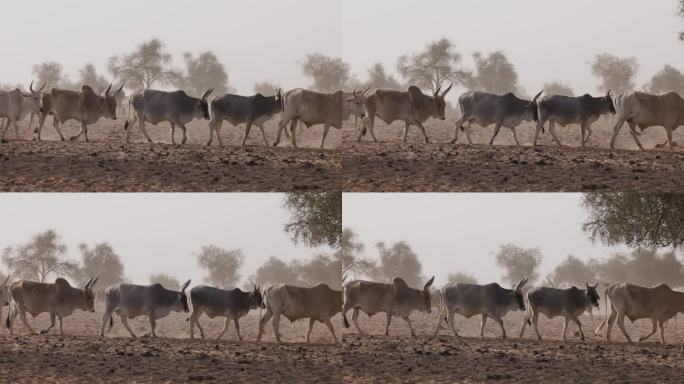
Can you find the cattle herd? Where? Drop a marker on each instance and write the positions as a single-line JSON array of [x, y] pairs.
[[320, 303], [639, 110]]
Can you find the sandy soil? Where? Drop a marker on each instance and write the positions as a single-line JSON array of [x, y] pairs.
[[469, 359], [106, 164], [391, 165], [81, 357]]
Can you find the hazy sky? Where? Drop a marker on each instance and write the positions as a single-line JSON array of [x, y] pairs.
[[155, 232], [264, 40], [453, 232]]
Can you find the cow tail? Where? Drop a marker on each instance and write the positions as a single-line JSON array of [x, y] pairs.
[[605, 319], [9, 310], [111, 322], [345, 321]]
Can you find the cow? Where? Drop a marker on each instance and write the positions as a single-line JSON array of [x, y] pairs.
[[176, 107], [250, 110], [4, 294], [84, 106], [395, 299], [643, 110], [214, 302], [505, 110], [569, 303], [412, 107], [15, 105], [659, 303], [130, 301], [312, 108], [583, 110], [58, 299], [490, 300], [318, 303]]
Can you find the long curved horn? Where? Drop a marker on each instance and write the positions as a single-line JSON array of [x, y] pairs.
[[120, 88], [31, 87], [185, 286], [447, 90], [6, 279], [207, 93], [108, 89], [534, 101], [367, 89], [354, 92], [92, 283], [87, 285], [438, 89], [42, 86]]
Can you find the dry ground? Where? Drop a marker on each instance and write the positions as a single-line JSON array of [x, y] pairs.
[[106, 164], [391, 165], [81, 357]]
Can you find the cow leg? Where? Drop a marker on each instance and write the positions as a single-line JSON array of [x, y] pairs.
[[451, 324], [311, 325], [371, 129], [263, 134], [406, 129], [579, 326], [611, 320], [589, 132], [41, 121], [226, 324], [408, 322], [59, 319], [616, 130], [248, 127], [526, 318], [281, 125], [153, 325], [30, 122], [583, 130], [566, 321], [293, 129], [458, 125], [185, 133], [621, 324], [635, 136], [172, 133], [105, 318], [237, 327], [653, 330], [355, 317], [141, 124], [52, 324], [276, 326], [503, 330], [55, 123], [124, 321], [467, 132], [16, 130], [422, 130], [661, 325], [539, 128], [214, 125], [483, 321], [11, 317], [388, 320], [535, 324], [552, 130], [330, 327], [262, 322], [439, 320], [4, 125], [326, 129], [515, 137], [497, 127], [22, 315], [83, 130], [668, 131]]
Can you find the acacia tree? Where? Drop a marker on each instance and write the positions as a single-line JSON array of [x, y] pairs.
[[518, 263], [644, 267], [319, 269], [203, 72], [616, 74], [558, 88], [275, 271], [88, 76], [431, 67], [398, 260], [461, 277], [326, 73], [222, 265], [379, 78], [667, 79], [42, 256], [266, 88], [103, 261], [147, 65], [572, 271], [493, 74], [166, 280], [315, 218], [51, 73], [351, 256], [648, 220]]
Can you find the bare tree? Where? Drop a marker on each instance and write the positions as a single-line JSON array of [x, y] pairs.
[[148, 65], [103, 261], [166, 280], [667, 79], [493, 74], [461, 277], [88, 76], [379, 78], [266, 88], [326, 73], [616, 74], [315, 218], [203, 72], [42, 256], [51, 73], [429, 68], [222, 265], [558, 88], [398, 260], [518, 263]]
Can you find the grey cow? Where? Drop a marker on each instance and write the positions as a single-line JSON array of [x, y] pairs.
[[569, 303], [583, 110], [130, 301], [505, 110], [412, 107], [15, 105], [229, 303], [176, 107], [250, 110], [395, 299], [468, 300]]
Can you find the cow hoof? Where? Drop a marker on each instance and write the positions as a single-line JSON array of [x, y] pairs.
[[72, 138], [3, 141], [42, 332]]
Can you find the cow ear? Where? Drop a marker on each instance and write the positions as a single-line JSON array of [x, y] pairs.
[[429, 283]]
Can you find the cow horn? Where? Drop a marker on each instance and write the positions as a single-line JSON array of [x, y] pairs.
[[92, 283], [447, 90], [438, 89], [354, 92], [207, 93], [88, 283], [6, 279], [108, 89], [31, 87], [42, 86], [608, 93], [429, 283], [534, 101], [185, 285], [367, 89], [120, 88]]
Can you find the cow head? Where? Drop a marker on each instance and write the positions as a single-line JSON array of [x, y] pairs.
[[34, 98], [608, 102], [533, 108], [182, 303], [439, 109], [592, 295], [110, 102], [88, 296], [4, 292], [256, 298], [519, 294], [427, 298], [355, 103], [202, 107]]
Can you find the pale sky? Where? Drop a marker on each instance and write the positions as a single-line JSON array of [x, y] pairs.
[[265, 40], [453, 232], [156, 232]]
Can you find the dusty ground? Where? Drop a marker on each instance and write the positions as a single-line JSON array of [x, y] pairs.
[[391, 165], [470, 359], [81, 357], [106, 164]]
